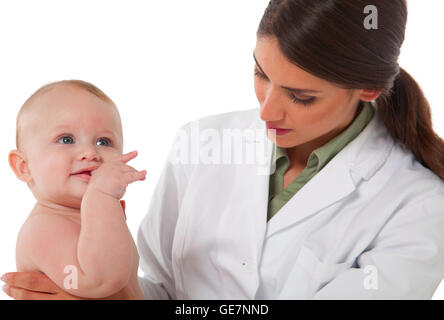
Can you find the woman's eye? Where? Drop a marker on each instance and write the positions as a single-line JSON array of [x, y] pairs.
[[66, 140], [104, 142], [305, 102], [260, 74]]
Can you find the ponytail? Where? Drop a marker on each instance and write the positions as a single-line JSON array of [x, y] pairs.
[[406, 113]]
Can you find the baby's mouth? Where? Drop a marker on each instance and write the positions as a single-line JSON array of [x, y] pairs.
[[84, 173]]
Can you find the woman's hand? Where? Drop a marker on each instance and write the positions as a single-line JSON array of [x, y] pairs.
[[37, 286], [33, 286]]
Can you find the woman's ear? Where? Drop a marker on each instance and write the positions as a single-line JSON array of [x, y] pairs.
[[370, 95], [19, 165]]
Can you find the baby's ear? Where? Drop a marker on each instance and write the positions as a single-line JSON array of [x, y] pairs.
[[18, 164]]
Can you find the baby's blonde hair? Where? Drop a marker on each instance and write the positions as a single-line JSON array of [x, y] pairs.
[[77, 83]]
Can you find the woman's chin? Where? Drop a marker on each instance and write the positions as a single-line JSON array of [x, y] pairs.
[[282, 142]]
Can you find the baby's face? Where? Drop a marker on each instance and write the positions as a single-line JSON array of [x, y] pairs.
[[68, 133]]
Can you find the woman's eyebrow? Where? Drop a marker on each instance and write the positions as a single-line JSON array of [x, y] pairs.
[[295, 90]]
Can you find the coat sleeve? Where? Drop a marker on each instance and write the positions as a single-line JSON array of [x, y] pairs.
[[406, 260], [156, 232]]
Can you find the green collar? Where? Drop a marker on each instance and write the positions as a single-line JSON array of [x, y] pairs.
[[322, 155]]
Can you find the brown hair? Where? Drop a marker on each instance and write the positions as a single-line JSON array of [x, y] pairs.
[[77, 83], [328, 39]]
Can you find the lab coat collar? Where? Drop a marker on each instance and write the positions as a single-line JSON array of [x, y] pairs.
[[358, 160]]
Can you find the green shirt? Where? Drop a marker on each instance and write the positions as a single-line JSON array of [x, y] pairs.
[[278, 196]]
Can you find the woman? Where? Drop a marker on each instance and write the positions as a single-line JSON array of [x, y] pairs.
[[354, 207]]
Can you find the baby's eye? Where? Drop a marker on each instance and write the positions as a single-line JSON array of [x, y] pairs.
[[103, 142], [66, 140]]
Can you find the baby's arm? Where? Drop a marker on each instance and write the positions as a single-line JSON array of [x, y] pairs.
[[104, 251], [105, 247]]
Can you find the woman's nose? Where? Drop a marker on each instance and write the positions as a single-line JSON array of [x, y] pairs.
[[89, 153], [270, 107]]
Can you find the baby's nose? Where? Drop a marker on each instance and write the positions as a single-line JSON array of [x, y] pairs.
[[90, 154]]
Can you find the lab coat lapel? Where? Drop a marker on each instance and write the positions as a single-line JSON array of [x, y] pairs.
[[358, 160], [328, 186]]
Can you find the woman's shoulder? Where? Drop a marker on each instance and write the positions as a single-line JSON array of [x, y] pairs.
[[409, 174]]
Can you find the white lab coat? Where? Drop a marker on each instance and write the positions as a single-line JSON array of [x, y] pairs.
[[369, 225]]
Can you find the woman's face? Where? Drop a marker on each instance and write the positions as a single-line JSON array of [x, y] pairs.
[[313, 117]]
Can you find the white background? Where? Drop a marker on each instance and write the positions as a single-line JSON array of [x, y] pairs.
[[164, 63]]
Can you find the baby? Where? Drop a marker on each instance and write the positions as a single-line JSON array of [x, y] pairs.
[[69, 152]]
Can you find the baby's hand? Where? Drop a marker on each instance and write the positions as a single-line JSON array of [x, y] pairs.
[[112, 177]]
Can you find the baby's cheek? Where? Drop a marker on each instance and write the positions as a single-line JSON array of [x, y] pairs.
[[49, 171]]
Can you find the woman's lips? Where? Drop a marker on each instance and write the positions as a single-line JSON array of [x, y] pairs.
[[279, 131]]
